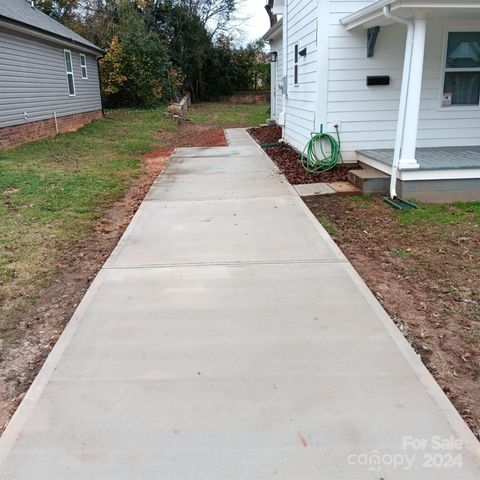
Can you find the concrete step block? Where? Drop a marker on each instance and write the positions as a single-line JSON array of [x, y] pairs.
[[369, 180]]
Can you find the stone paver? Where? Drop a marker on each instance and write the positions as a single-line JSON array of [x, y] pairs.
[[311, 189], [227, 337]]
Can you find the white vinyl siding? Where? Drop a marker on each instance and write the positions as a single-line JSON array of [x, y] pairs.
[[83, 66], [302, 98], [368, 115], [33, 80], [277, 105]]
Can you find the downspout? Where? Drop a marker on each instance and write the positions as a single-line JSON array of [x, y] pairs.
[[403, 96]]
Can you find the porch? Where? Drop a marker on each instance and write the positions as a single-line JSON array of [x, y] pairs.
[[445, 174]]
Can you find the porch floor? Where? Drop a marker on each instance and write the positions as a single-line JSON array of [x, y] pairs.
[[441, 158]]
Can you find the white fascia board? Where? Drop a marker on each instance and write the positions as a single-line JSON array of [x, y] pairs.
[[365, 16], [444, 174], [419, 174], [278, 7], [274, 31]]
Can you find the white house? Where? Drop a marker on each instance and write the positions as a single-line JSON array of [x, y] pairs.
[[400, 78]]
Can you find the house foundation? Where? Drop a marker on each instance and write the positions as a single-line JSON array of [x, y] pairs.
[[15, 135]]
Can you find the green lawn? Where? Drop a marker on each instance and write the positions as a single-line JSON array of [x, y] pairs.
[[51, 192], [225, 115]]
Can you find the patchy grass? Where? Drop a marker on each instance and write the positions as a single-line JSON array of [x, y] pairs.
[[423, 265], [443, 214], [401, 252], [52, 192], [329, 226], [473, 338]]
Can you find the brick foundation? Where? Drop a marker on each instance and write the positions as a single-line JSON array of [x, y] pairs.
[[29, 131], [247, 98]]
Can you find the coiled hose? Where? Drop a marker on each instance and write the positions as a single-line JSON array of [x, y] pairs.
[[324, 160]]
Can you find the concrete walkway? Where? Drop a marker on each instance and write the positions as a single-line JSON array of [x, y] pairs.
[[227, 338]]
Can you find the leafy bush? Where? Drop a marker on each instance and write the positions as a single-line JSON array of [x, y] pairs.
[[136, 69]]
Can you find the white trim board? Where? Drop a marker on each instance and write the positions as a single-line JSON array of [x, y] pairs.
[[409, 175]]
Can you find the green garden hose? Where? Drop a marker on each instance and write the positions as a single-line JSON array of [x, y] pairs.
[[317, 160]]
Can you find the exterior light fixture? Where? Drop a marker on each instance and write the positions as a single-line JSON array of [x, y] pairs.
[[272, 57], [303, 52]]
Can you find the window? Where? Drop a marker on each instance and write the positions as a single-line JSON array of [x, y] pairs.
[[295, 66], [69, 70], [83, 66], [462, 69]]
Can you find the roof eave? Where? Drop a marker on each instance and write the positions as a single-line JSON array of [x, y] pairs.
[[50, 35], [273, 31], [366, 14]]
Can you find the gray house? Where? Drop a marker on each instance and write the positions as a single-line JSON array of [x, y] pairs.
[[49, 80]]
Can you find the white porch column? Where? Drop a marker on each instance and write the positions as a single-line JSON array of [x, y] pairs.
[[409, 144]]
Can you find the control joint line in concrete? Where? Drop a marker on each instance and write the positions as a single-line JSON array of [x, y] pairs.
[[245, 263]]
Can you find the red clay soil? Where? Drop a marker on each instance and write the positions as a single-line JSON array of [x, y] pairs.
[[192, 135], [55, 305], [425, 274], [288, 160]]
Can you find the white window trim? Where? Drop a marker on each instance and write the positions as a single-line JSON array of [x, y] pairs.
[[83, 66], [67, 73], [444, 70]]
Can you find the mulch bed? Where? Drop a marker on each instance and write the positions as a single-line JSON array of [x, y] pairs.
[[288, 160], [263, 135]]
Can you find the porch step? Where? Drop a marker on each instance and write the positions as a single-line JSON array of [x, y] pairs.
[[369, 180]]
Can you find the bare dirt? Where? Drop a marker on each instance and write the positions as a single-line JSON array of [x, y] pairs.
[[41, 325], [425, 274], [287, 159], [194, 135]]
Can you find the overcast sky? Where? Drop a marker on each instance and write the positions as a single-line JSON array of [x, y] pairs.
[[256, 19]]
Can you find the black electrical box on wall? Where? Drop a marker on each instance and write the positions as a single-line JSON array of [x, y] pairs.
[[378, 80]]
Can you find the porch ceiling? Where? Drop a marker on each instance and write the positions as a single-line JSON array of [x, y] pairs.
[[372, 15]]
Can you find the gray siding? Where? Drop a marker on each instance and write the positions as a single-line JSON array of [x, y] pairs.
[[33, 80]]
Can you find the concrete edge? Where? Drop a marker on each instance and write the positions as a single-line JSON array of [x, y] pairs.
[[426, 378], [437, 395], [34, 393], [259, 148]]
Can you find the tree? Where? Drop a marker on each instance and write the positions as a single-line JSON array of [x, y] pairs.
[[112, 69], [62, 10], [187, 40], [157, 48], [136, 68], [231, 69], [213, 15]]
